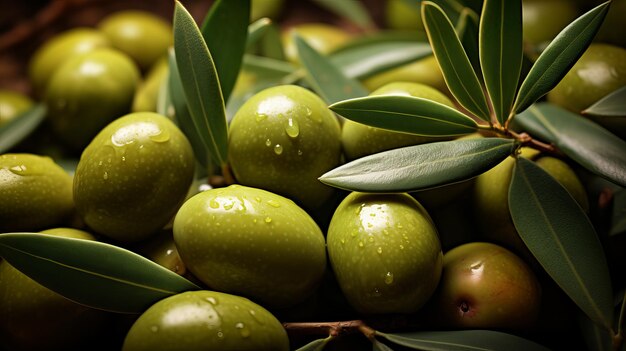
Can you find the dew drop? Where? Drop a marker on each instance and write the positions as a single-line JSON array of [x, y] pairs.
[[123, 158], [273, 203], [154, 328], [268, 142], [214, 204], [260, 117], [401, 247], [379, 250], [399, 226], [354, 234], [299, 152], [105, 176], [220, 334], [256, 318], [100, 163], [292, 128], [268, 219], [389, 278], [361, 244], [371, 240], [278, 149], [212, 300], [229, 205], [162, 137], [343, 241], [258, 199]]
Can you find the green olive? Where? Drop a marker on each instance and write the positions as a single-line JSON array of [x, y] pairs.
[[133, 176], [425, 71], [322, 37], [12, 104], [402, 14], [147, 94], [141, 35], [265, 8], [57, 50], [281, 140], [543, 20], [385, 252], [359, 140], [36, 193], [251, 242], [88, 92], [206, 320], [33, 317]]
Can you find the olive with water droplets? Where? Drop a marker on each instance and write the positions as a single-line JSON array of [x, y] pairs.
[[134, 175], [206, 320]]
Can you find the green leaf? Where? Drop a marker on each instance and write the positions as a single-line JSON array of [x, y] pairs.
[[366, 60], [225, 31], [560, 236], [406, 114], [557, 59], [612, 105], [584, 141], [182, 115], [165, 105], [92, 273], [500, 41], [618, 217], [200, 84], [455, 65], [257, 30], [272, 45], [467, 29], [352, 10], [379, 346], [315, 345], [326, 79], [421, 166], [14, 131], [596, 337], [461, 340]]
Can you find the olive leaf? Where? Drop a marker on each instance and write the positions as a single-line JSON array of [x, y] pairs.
[[453, 61], [256, 30], [225, 31], [201, 86], [354, 11], [407, 114], [462, 340], [379, 346], [500, 42], [612, 105], [467, 28], [315, 345], [560, 55], [582, 140], [92, 273], [558, 233], [596, 337], [618, 217], [420, 166], [326, 79], [271, 43], [18, 128]]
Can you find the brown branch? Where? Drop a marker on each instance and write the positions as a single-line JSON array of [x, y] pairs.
[[527, 140], [327, 328]]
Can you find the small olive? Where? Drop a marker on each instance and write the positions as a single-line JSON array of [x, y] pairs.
[[133, 176], [425, 71], [12, 104], [322, 37], [147, 94]]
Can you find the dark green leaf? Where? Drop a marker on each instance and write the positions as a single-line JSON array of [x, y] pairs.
[[560, 236], [501, 52], [582, 140], [421, 166], [382, 36], [183, 117], [267, 66], [200, 84], [352, 10], [455, 65], [406, 114], [225, 31], [612, 105], [14, 131], [618, 218], [366, 60], [315, 345], [92, 273], [462, 340], [557, 59], [467, 29], [596, 337], [256, 30], [379, 346], [326, 79]]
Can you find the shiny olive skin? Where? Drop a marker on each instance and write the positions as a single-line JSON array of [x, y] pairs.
[[542, 20], [281, 140], [324, 38], [12, 104], [403, 15], [36, 193], [486, 286], [33, 317], [424, 71], [206, 320], [359, 140], [133, 176], [57, 50], [251, 242], [385, 252], [265, 8], [88, 92], [148, 91], [140, 34]]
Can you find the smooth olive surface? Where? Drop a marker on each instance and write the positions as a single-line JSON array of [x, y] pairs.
[[322, 37], [36, 193], [141, 35], [33, 317], [206, 320], [57, 50], [265, 8], [251, 242], [133, 176], [147, 93], [404, 15], [281, 140], [12, 104], [359, 140], [542, 20], [385, 252], [485, 286], [425, 71]]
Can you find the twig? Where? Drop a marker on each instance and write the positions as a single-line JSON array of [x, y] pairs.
[[328, 328], [527, 140]]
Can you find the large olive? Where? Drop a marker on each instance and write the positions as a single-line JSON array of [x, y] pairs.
[[425, 71], [133, 176], [206, 320], [36, 193], [88, 92], [251, 242]]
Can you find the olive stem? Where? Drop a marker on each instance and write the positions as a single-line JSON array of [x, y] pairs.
[[228, 175], [327, 328], [526, 139]]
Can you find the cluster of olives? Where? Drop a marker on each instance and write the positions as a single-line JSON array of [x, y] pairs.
[[272, 243]]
